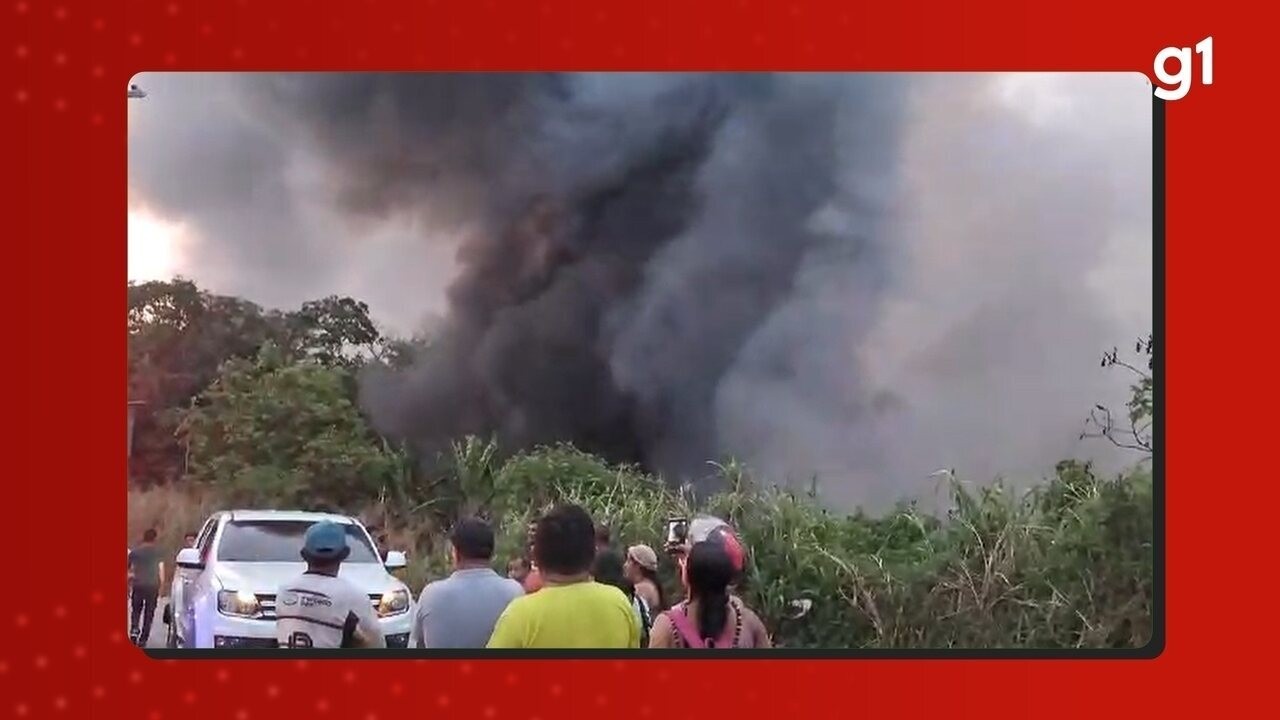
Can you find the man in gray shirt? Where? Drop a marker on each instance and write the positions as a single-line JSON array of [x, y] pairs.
[[461, 610]]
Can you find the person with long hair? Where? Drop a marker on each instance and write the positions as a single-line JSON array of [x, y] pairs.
[[710, 617]]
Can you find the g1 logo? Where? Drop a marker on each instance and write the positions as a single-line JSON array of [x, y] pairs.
[[1180, 80]]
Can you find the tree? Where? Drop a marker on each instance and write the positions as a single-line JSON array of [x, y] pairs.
[[333, 331], [267, 432], [399, 353], [178, 337], [1134, 432]]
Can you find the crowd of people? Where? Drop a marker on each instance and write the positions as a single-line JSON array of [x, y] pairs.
[[574, 590], [571, 590]]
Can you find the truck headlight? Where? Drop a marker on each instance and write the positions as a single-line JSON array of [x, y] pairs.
[[393, 602], [238, 603]]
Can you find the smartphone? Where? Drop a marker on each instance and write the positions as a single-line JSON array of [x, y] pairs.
[[677, 532]]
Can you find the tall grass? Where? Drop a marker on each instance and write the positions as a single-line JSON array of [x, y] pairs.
[[1068, 564], [171, 510]]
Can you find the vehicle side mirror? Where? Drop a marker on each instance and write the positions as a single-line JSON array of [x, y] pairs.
[[189, 559], [395, 560]]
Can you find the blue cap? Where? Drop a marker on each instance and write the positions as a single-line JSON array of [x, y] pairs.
[[326, 540]]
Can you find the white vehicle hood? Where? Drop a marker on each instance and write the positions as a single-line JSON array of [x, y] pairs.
[[265, 578]]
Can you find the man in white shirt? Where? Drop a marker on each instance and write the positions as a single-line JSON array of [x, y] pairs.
[[320, 610], [461, 610]]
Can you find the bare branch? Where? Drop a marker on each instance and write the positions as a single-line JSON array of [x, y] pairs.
[[1142, 374], [1104, 427]]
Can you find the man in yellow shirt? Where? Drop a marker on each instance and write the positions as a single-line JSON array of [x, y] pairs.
[[571, 610]]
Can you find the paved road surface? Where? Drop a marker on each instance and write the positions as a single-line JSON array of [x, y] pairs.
[[158, 628]]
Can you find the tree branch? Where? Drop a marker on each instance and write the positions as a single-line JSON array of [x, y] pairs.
[[1106, 429]]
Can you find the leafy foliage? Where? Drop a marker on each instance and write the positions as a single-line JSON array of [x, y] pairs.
[[1141, 405], [257, 408], [333, 331], [1066, 565], [179, 336], [276, 434]]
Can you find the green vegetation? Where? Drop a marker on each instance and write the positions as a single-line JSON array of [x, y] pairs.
[[269, 432], [181, 336], [1066, 564]]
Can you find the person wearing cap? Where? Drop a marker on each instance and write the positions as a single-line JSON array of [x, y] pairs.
[[609, 569], [641, 570], [318, 609]]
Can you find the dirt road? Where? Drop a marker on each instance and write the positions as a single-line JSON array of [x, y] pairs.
[[158, 629]]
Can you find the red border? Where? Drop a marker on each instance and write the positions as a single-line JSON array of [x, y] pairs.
[[63, 651]]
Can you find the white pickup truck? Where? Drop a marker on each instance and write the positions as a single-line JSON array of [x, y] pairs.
[[224, 591]]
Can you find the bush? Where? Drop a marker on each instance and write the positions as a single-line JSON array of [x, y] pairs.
[[172, 510], [1066, 565], [272, 434]]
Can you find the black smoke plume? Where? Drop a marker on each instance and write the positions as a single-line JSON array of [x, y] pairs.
[[619, 251], [860, 277]]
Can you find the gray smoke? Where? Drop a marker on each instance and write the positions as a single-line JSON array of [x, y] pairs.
[[859, 277], [797, 178]]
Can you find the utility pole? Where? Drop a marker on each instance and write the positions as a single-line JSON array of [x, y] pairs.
[[135, 93]]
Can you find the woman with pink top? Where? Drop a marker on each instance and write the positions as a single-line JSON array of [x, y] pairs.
[[710, 617]]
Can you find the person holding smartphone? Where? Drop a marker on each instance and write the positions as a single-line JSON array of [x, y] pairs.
[[683, 534], [710, 616]]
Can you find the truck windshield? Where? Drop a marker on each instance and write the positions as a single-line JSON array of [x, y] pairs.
[[281, 541]]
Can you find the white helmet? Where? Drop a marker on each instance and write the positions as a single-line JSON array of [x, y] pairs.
[[709, 527]]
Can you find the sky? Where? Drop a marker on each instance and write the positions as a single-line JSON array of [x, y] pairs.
[[1016, 236], [162, 243]]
